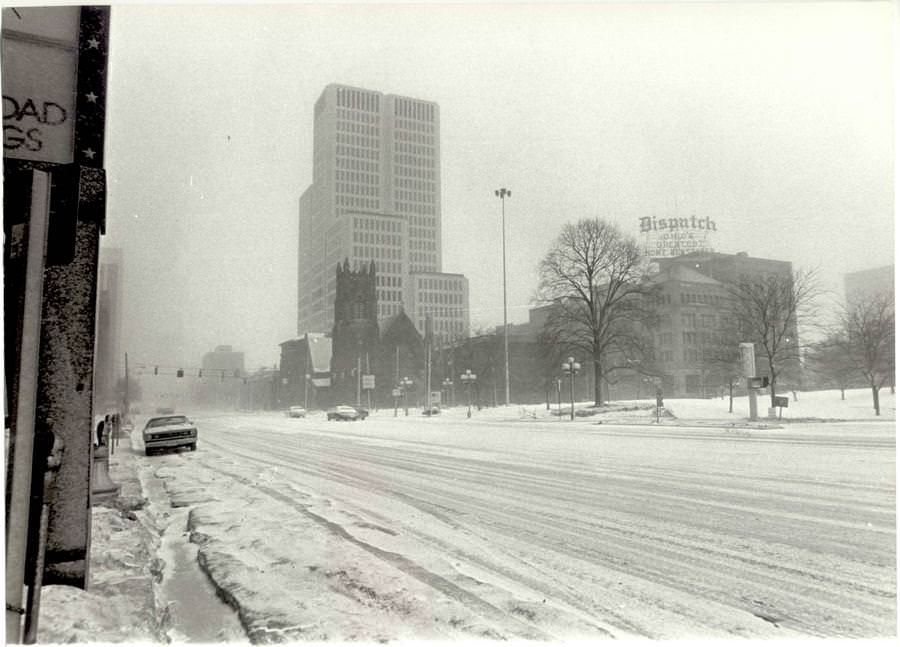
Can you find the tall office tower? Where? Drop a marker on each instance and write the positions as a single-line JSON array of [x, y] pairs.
[[376, 196], [108, 353]]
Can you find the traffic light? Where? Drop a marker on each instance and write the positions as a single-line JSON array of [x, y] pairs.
[[200, 373], [180, 373], [156, 370]]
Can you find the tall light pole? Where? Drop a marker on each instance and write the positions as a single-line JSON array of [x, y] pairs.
[[503, 194]]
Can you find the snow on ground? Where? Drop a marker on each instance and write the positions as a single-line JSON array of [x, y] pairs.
[[519, 524]]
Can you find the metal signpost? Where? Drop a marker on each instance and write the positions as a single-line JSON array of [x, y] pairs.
[[748, 370]]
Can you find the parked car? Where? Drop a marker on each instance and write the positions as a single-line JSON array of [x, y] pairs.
[[346, 412], [169, 432], [433, 411], [296, 412]]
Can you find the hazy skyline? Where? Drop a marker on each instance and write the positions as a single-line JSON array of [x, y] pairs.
[[773, 119]]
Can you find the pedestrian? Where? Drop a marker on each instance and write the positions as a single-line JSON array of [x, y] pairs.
[[100, 430]]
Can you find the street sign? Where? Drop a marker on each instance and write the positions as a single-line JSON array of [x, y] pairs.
[[748, 359], [781, 401], [396, 393], [368, 381], [40, 73]]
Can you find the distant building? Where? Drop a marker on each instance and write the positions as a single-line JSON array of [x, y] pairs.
[[865, 283], [221, 376], [306, 371], [376, 197], [692, 349], [109, 356]]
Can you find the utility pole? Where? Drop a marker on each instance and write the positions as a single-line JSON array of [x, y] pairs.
[[503, 194]]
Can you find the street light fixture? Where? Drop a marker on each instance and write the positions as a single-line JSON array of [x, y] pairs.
[[570, 367], [468, 379], [405, 383], [503, 194]]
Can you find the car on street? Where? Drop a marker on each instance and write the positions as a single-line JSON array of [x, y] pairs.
[[296, 412], [346, 412], [169, 432]]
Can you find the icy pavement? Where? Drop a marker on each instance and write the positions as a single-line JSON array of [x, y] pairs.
[[518, 524]]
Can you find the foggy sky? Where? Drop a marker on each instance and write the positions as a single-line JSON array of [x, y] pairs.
[[773, 119]]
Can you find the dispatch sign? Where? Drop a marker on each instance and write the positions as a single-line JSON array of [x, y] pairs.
[[40, 75]]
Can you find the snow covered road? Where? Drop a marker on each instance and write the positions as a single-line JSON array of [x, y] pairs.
[[449, 528]]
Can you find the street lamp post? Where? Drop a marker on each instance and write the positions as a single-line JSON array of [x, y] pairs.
[[570, 367], [448, 384], [405, 383], [503, 194], [468, 379]]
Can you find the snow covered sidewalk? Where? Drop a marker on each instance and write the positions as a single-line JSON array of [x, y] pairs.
[[122, 602]]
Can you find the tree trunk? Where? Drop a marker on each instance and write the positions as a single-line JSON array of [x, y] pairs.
[[842, 393], [875, 400], [598, 383]]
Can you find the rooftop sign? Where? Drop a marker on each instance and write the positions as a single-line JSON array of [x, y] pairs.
[[662, 237]]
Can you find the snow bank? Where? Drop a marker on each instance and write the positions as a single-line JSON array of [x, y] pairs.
[[122, 603]]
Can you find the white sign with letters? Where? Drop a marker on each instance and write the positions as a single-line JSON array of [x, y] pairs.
[[40, 74]]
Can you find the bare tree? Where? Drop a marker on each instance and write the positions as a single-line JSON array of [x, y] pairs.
[[597, 281], [768, 310], [867, 335], [829, 360]]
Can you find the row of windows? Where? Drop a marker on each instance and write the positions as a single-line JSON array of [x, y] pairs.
[[388, 280], [429, 283], [359, 129], [359, 153], [413, 161], [415, 149], [413, 109], [357, 140], [356, 165], [421, 221], [356, 115], [391, 253], [406, 171], [414, 196], [377, 224], [373, 238], [348, 188], [414, 125], [708, 299], [426, 245], [412, 207], [447, 298], [356, 176], [390, 295], [414, 137], [662, 299], [388, 309], [428, 261], [694, 320], [664, 339], [356, 203], [417, 185], [349, 98]]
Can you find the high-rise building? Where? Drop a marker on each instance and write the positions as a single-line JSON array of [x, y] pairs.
[[376, 197], [108, 353], [866, 284]]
